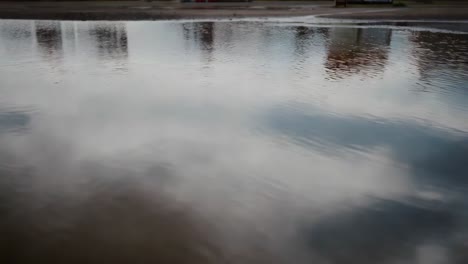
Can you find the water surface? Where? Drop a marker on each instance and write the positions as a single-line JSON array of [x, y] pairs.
[[232, 142]]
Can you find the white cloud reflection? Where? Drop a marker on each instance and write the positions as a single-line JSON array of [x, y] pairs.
[[197, 104]]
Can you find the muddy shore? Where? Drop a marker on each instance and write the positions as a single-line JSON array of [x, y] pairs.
[[175, 10]]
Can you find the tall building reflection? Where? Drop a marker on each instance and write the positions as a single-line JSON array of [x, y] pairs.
[[430, 47], [201, 33], [56, 40], [357, 50], [111, 41], [303, 36], [441, 60], [305, 40], [49, 38], [205, 34]]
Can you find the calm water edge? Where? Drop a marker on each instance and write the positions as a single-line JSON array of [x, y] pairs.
[[232, 142]]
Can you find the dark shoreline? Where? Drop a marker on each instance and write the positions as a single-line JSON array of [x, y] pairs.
[[172, 10]]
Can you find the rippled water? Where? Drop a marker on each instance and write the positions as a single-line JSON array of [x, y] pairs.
[[232, 142]]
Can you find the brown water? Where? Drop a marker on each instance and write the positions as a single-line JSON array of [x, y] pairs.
[[232, 142]]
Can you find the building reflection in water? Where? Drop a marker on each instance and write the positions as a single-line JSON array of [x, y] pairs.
[[357, 50], [49, 39], [202, 33], [111, 40], [57, 40], [305, 41], [303, 36], [428, 47], [452, 49]]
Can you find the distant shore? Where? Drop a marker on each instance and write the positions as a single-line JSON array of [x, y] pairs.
[[140, 10]]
